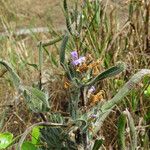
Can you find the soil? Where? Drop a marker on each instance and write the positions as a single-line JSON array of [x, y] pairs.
[[29, 13]]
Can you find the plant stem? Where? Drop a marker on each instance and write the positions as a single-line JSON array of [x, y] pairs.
[[40, 75], [84, 103]]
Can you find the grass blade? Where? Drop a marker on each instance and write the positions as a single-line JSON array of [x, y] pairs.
[[121, 132], [68, 23], [132, 127]]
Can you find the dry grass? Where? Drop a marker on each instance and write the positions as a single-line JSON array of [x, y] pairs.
[[27, 13]]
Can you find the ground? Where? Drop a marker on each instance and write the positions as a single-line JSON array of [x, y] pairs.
[[35, 12], [28, 13]]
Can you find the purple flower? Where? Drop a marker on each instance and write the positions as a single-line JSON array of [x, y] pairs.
[[92, 89], [93, 116], [74, 55], [78, 61]]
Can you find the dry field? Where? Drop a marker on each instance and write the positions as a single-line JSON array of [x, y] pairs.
[[36, 13], [28, 13]]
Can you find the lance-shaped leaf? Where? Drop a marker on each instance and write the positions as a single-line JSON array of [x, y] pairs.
[[68, 22], [97, 144], [133, 132], [16, 79], [51, 42], [36, 99], [63, 48], [120, 67]]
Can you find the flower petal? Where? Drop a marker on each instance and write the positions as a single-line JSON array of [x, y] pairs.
[[74, 55], [78, 61]]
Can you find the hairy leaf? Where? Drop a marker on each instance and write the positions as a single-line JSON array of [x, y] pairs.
[[63, 48], [120, 67], [121, 132], [16, 79]]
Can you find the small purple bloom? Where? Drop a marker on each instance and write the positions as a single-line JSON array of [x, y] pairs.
[[93, 116], [82, 59], [92, 89], [78, 61], [74, 55]]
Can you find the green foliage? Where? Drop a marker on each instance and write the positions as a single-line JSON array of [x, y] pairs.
[[51, 42], [108, 73], [28, 146], [35, 135], [68, 23], [35, 98], [5, 140], [16, 79], [35, 66], [97, 144], [121, 132], [56, 138], [133, 132], [147, 91], [63, 48]]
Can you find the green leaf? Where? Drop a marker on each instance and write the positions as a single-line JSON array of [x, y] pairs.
[[5, 140], [108, 73], [67, 17], [147, 116], [146, 79], [133, 132], [51, 42], [28, 146], [35, 134], [97, 144], [36, 99], [118, 82], [53, 60], [35, 66], [121, 132], [16, 79], [63, 48], [147, 92]]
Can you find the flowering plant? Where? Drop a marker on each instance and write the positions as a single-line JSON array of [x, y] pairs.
[[83, 73]]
